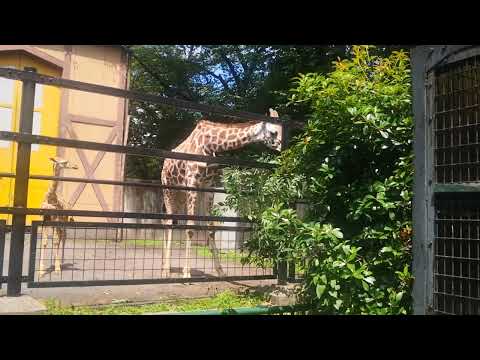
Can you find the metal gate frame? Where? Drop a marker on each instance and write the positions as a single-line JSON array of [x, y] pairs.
[[24, 138], [3, 228], [425, 60]]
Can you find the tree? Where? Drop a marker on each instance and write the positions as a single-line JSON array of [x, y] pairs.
[[244, 77], [353, 166]]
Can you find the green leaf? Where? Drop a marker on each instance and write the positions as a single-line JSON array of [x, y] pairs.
[[365, 285], [358, 275], [384, 134], [369, 279], [333, 294], [337, 233], [399, 296], [320, 290], [338, 303]]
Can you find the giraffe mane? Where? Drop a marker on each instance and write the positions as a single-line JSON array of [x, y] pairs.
[[228, 125]]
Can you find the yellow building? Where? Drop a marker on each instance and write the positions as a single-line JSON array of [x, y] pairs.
[[68, 114]]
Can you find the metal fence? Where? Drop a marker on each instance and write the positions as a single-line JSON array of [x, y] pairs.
[[110, 253], [447, 197], [456, 134], [117, 253]]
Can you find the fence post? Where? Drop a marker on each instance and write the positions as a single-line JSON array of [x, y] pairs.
[[283, 275], [3, 224], [22, 172]]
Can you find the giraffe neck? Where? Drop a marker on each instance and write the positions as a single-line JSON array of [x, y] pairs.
[[215, 138], [51, 195]]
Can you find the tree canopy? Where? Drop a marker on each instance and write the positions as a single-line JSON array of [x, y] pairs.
[[352, 163], [243, 77]]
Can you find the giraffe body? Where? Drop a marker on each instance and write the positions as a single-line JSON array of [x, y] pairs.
[[209, 139], [54, 201]]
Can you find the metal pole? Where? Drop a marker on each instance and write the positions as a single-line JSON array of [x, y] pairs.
[[3, 223], [14, 284], [285, 135], [282, 274]]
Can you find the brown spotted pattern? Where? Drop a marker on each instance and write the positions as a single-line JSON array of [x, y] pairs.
[[208, 138]]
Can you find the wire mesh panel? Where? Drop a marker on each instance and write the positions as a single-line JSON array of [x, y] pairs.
[[457, 122], [457, 215], [100, 253], [457, 254]]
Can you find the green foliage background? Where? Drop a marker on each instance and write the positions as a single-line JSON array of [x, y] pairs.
[[353, 166]]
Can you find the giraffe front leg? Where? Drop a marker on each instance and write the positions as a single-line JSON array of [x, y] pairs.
[[215, 253], [57, 242], [167, 253], [191, 207], [170, 208], [43, 247], [188, 246], [211, 239]]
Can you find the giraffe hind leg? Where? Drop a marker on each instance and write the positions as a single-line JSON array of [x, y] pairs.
[[170, 208]]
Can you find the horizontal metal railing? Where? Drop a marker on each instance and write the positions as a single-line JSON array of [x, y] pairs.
[[90, 224], [117, 214], [127, 150], [131, 94], [114, 182]]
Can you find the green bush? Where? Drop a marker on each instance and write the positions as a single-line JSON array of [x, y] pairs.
[[353, 166]]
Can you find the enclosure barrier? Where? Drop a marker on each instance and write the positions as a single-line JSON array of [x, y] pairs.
[[19, 210], [446, 204]]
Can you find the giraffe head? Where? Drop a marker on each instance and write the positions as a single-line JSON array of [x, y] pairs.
[[271, 135], [59, 163]]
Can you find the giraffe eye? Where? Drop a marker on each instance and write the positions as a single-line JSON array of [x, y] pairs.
[[273, 134]]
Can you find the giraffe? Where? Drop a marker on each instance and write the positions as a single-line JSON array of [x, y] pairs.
[[208, 138], [53, 201]]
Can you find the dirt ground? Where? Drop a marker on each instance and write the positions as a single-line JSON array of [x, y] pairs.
[[104, 295]]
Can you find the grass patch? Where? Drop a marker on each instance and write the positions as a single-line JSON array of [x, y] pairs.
[[225, 300], [145, 243], [228, 255], [201, 250]]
